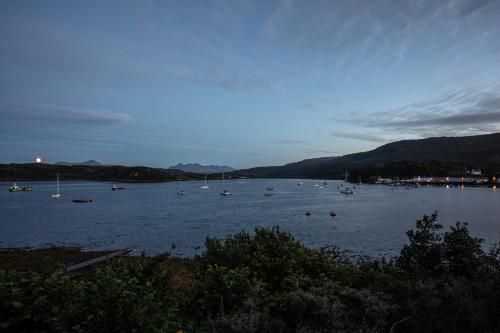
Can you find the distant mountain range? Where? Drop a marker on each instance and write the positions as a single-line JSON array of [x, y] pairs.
[[88, 163], [481, 151], [198, 168]]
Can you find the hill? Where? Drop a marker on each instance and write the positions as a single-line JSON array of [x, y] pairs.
[[89, 163], [118, 173], [198, 168], [440, 153]]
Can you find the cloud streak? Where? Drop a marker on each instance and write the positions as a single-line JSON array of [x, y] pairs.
[[360, 137], [290, 142], [219, 78], [467, 111], [76, 116]]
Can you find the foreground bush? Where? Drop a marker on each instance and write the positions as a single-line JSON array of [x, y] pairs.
[[121, 297], [269, 282]]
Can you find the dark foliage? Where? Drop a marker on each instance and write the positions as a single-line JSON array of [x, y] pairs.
[[269, 282]]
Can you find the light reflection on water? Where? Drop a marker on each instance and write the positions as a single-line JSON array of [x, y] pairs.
[[151, 217]]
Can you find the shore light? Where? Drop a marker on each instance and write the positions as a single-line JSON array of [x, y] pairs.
[[38, 159]]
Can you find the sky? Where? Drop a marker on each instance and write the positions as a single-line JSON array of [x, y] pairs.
[[241, 83]]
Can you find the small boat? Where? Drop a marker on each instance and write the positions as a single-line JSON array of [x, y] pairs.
[[308, 213], [224, 192], [15, 188], [300, 183], [270, 188], [82, 200], [180, 191], [333, 214], [205, 187], [117, 187], [346, 190], [57, 194], [320, 186]]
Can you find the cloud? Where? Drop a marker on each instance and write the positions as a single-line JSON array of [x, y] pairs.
[[470, 7], [322, 151], [361, 137], [357, 34], [76, 116], [307, 106], [466, 111], [290, 142], [218, 78]]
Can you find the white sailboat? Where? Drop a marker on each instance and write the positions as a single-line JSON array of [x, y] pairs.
[[346, 189], [224, 191], [57, 194], [179, 189], [205, 187]]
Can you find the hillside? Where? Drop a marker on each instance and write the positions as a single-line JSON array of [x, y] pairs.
[[450, 153], [13, 172], [198, 168], [89, 163]]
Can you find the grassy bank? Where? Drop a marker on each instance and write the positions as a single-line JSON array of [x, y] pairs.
[[442, 281]]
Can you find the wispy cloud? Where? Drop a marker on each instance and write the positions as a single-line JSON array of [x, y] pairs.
[[322, 151], [466, 111], [68, 115], [290, 142], [219, 78], [359, 34], [360, 136], [307, 106]]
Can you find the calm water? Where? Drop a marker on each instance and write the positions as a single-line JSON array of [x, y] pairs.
[[151, 217]]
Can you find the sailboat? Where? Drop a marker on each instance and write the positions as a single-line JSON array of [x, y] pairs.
[[179, 190], [204, 187], [345, 188], [57, 194], [316, 185], [224, 191]]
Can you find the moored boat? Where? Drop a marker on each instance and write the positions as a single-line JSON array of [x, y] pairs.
[[117, 187], [14, 188], [57, 194]]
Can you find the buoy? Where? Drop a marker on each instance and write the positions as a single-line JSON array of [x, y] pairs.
[[308, 213], [333, 214]]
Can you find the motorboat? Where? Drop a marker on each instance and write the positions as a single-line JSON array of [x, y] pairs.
[[14, 188], [347, 190], [116, 187]]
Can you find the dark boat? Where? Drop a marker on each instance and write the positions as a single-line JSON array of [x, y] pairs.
[[82, 200]]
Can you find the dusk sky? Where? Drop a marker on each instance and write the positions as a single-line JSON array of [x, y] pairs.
[[242, 83]]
